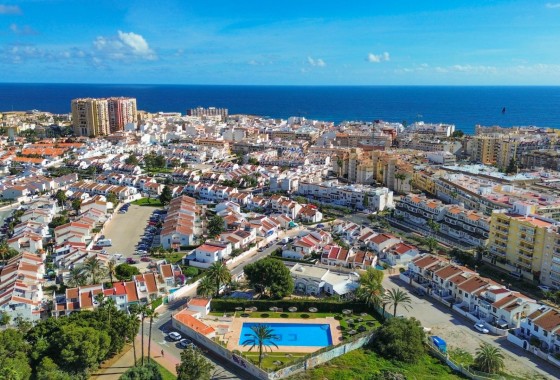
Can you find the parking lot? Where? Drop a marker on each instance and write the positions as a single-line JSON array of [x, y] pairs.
[[125, 230]]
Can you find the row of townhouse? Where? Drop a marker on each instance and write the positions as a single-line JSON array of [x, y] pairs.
[[479, 298], [454, 221], [307, 245], [356, 196], [21, 286], [72, 255], [182, 224], [23, 188], [124, 193], [33, 231], [334, 255], [387, 247], [82, 229], [142, 289], [209, 192]]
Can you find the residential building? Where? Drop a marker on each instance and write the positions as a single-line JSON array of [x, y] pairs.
[[314, 281], [90, 117], [517, 241]]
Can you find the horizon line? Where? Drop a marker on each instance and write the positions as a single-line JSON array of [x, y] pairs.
[[281, 85]]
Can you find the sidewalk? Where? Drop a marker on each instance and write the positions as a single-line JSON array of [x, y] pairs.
[[122, 364]]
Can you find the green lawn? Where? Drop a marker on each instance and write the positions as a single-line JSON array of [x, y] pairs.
[[151, 202], [271, 360], [165, 373], [363, 363]]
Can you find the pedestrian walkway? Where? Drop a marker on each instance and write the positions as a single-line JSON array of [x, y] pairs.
[[122, 364]]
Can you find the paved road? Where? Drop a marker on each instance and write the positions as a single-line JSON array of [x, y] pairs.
[[432, 314]]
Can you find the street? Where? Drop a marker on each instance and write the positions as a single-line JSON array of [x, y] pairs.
[[458, 332]]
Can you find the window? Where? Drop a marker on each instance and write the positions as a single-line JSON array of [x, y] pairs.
[[536, 328]]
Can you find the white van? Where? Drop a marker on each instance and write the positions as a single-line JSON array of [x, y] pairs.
[[104, 242]]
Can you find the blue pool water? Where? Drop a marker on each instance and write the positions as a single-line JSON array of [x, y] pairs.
[[293, 334]]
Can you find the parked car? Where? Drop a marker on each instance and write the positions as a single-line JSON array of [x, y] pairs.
[[544, 288], [145, 259], [480, 327], [173, 335], [130, 260], [184, 343]]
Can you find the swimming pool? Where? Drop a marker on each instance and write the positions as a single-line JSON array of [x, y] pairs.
[[293, 334]]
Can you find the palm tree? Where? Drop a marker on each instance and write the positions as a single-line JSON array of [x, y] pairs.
[[370, 290], [489, 359], [396, 297], [263, 337], [94, 268], [151, 314], [481, 251], [205, 287], [77, 277], [432, 243], [220, 274], [399, 177], [143, 310], [434, 226], [111, 266], [132, 326]]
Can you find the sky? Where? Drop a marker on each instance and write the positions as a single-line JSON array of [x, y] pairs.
[[304, 42]]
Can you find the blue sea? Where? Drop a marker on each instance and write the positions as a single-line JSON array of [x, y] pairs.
[[461, 105]]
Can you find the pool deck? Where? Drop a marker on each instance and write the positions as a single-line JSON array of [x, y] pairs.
[[234, 333]]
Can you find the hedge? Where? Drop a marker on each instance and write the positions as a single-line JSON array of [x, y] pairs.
[[323, 306]]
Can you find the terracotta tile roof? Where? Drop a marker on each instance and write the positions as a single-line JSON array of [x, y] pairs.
[[473, 284], [448, 271], [548, 321], [202, 302], [425, 261], [193, 323]]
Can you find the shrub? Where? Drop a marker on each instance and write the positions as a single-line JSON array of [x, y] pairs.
[[323, 306], [400, 339], [191, 271], [402, 270]]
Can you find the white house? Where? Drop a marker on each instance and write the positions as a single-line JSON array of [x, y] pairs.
[[400, 254]]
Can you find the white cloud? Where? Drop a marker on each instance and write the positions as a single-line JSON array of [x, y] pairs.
[[25, 30], [377, 58], [552, 5], [9, 10], [124, 45], [316, 62]]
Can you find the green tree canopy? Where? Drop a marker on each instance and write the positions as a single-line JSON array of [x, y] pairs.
[[60, 197], [131, 160], [124, 272], [81, 348], [400, 339], [193, 366], [148, 371], [165, 196], [270, 276], [216, 225], [77, 204], [13, 355]]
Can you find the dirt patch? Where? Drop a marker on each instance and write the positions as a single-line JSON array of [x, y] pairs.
[[457, 338]]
